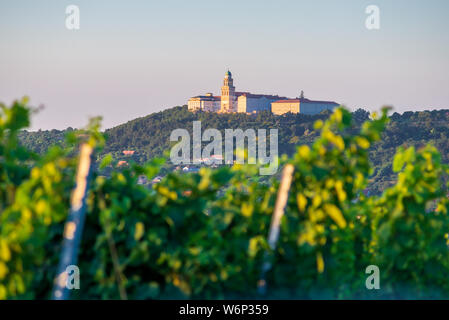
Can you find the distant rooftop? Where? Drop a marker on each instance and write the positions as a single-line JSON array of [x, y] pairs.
[[251, 95], [207, 97], [304, 100]]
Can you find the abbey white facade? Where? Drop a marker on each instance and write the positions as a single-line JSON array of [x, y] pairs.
[[232, 101]]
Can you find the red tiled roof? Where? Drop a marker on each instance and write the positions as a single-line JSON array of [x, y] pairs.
[[317, 101], [207, 98], [304, 101], [241, 93], [268, 96], [287, 101]]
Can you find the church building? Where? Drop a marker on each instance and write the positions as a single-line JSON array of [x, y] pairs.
[[232, 101]]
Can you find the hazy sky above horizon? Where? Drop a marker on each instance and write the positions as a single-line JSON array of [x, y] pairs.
[[132, 58]]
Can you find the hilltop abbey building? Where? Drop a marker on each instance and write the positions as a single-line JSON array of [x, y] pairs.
[[232, 101]]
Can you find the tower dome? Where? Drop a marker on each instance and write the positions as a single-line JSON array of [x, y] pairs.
[[229, 74]]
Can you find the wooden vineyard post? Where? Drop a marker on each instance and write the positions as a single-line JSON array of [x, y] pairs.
[[281, 201], [74, 225]]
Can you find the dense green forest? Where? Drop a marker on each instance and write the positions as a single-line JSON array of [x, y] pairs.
[[149, 136]]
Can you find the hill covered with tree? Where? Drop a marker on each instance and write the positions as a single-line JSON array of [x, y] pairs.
[[149, 136]]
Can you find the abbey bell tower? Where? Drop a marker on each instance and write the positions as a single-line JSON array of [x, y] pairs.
[[228, 103]]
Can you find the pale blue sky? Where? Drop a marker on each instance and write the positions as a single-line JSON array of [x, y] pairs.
[[131, 58]]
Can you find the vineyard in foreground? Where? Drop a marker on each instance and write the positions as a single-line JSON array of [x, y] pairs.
[[204, 235]]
